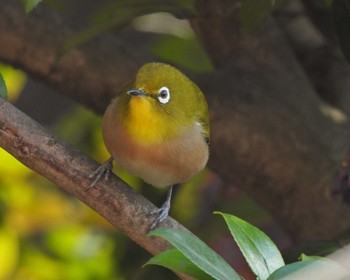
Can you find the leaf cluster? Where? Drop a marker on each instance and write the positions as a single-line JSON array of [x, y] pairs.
[[191, 256]]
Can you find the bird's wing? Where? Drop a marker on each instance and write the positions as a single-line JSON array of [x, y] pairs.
[[204, 124]]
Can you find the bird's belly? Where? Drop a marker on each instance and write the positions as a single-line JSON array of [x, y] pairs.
[[160, 164]]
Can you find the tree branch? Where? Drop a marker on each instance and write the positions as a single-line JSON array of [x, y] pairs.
[[118, 203]]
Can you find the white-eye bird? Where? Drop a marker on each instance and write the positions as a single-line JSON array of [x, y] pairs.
[[158, 130]]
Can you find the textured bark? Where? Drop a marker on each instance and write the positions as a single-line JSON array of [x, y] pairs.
[[271, 133]]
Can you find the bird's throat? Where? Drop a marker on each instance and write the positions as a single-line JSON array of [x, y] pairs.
[[144, 124]]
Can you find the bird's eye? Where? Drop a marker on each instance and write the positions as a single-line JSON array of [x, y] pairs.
[[163, 95]]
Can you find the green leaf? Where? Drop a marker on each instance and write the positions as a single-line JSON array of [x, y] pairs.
[[311, 269], [29, 5], [120, 13], [3, 88], [175, 260], [341, 19], [304, 257], [185, 52], [257, 248], [199, 253], [252, 12]]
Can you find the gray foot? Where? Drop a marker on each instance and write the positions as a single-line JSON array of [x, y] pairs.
[[163, 212], [104, 170]]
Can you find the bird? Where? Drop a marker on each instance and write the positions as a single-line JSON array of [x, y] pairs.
[[157, 128]]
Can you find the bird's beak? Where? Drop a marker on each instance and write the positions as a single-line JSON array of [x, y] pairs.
[[136, 92]]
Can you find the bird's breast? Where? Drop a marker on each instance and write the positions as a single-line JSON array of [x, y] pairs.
[[162, 162]]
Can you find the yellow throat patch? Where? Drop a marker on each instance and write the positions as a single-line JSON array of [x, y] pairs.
[[145, 124]]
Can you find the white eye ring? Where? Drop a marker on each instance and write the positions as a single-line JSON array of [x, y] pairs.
[[163, 95]]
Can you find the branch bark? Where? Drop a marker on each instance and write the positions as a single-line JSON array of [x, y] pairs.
[[118, 203]]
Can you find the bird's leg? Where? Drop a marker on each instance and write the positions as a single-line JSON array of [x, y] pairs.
[[162, 211], [104, 170]]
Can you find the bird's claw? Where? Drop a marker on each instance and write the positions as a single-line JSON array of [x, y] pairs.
[[162, 212], [104, 170]]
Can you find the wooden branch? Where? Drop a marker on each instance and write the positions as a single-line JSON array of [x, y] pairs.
[[118, 203]]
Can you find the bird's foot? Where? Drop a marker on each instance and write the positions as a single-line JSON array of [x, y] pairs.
[[104, 170], [163, 213]]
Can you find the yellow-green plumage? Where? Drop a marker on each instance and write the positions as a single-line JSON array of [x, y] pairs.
[[161, 143], [158, 129]]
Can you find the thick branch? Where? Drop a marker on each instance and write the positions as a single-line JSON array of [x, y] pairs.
[[122, 206]]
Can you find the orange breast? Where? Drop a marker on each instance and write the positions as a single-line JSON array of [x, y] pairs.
[[160, 164]]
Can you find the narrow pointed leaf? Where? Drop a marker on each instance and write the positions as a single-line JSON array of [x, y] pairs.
[[304, 257], [257, 248], [175, 260], [3, 88], [199, 253], [321, 269]]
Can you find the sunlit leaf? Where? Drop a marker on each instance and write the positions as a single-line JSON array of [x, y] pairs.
[[3, 88], [304, 257], [175, 260], [9, 253], [14, 79], [198, 253], [29, 5], [341, 19], [74, 242], [13, 169], [259, 251], [322, 269]]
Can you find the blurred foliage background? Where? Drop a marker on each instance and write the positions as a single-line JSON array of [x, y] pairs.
[[47, 234]]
